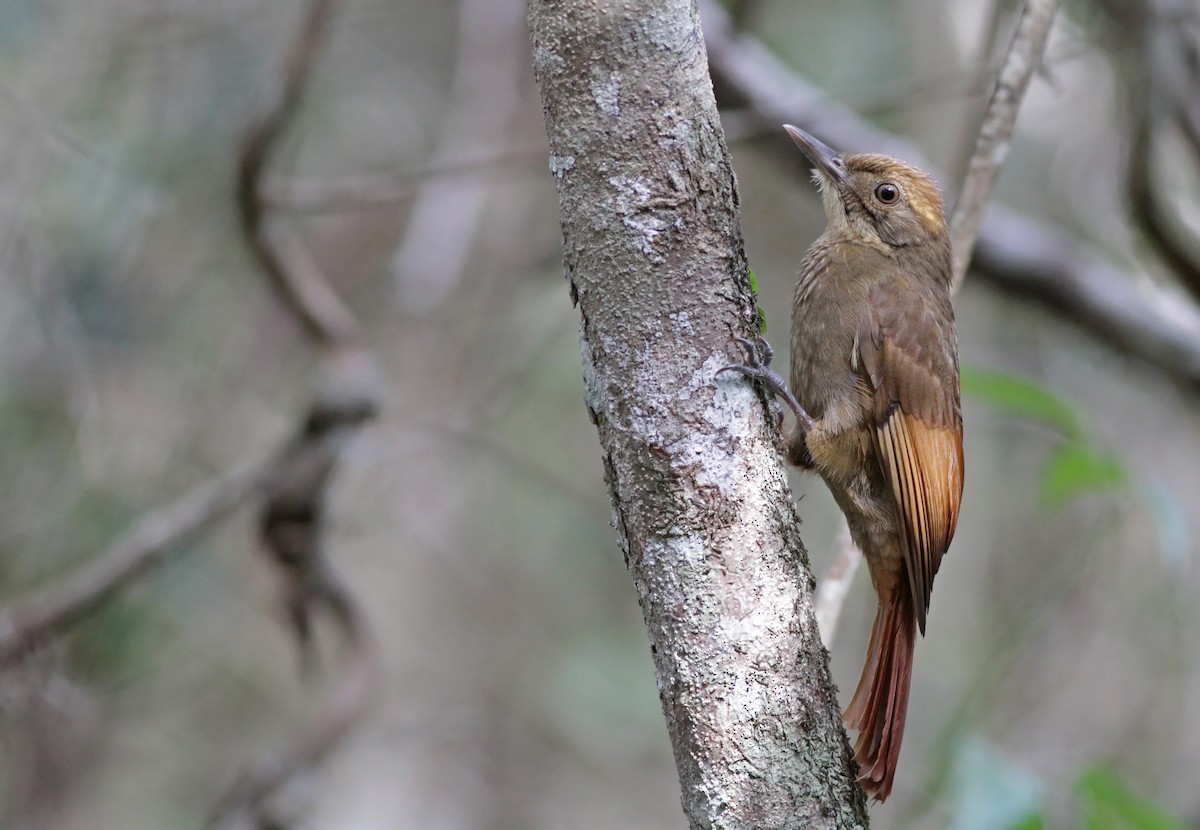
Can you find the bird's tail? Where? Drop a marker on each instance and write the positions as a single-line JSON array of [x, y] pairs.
[[880, 702]]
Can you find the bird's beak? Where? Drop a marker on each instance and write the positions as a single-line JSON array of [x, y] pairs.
[[824, 158]]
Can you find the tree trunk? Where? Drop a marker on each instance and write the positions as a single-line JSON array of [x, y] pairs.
[[653, 253]]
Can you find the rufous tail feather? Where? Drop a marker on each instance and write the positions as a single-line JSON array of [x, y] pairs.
[[880, 702]]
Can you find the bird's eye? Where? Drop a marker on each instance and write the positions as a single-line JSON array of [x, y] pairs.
[[887, 193]]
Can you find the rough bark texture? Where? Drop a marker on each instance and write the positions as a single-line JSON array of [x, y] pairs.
[[653, 253]]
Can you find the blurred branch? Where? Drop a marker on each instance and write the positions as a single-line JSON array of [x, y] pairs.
[[1161, 83], [299, 286], [349, 389], [1171, 242], [357, 679], [1187, 103], [291, 521], [835, 583], [1023, 256], [372, 190], [349, 393], [342, 400], [68, 601], [446, 215], [991, 146]]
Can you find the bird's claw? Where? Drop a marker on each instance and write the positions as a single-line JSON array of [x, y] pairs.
[[758, 351], [758, 367]]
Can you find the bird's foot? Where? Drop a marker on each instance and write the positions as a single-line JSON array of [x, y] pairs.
[[758, 367]]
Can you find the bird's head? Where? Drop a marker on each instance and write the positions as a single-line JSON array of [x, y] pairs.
[[874, 198]]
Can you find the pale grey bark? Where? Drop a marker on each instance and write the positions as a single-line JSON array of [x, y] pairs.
[[653, 254]]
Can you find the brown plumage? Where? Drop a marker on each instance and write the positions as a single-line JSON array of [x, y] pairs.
[[875, 382]]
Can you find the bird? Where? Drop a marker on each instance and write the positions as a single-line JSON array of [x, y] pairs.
[[875, 391]]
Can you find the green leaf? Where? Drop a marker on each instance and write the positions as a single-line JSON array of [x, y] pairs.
[[1075, 468], [1031, 822], [1020, 396], [1108, 805]]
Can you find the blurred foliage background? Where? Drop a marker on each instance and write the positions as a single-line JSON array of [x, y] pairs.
[[141, 352]]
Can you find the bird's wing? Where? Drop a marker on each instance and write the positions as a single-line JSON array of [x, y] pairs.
[[909, 352]]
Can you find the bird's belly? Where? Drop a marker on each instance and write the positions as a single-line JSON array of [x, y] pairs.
[[845, 460]]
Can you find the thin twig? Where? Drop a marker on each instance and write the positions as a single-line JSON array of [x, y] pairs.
[[835, 583], [1187, 99], [291, 520], [1161, 82], [68, 601], [374, 190], [294, 480], [303, 290], [357, 682], [1169, 240], [446, 215], [995, 132], [50, 613]]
